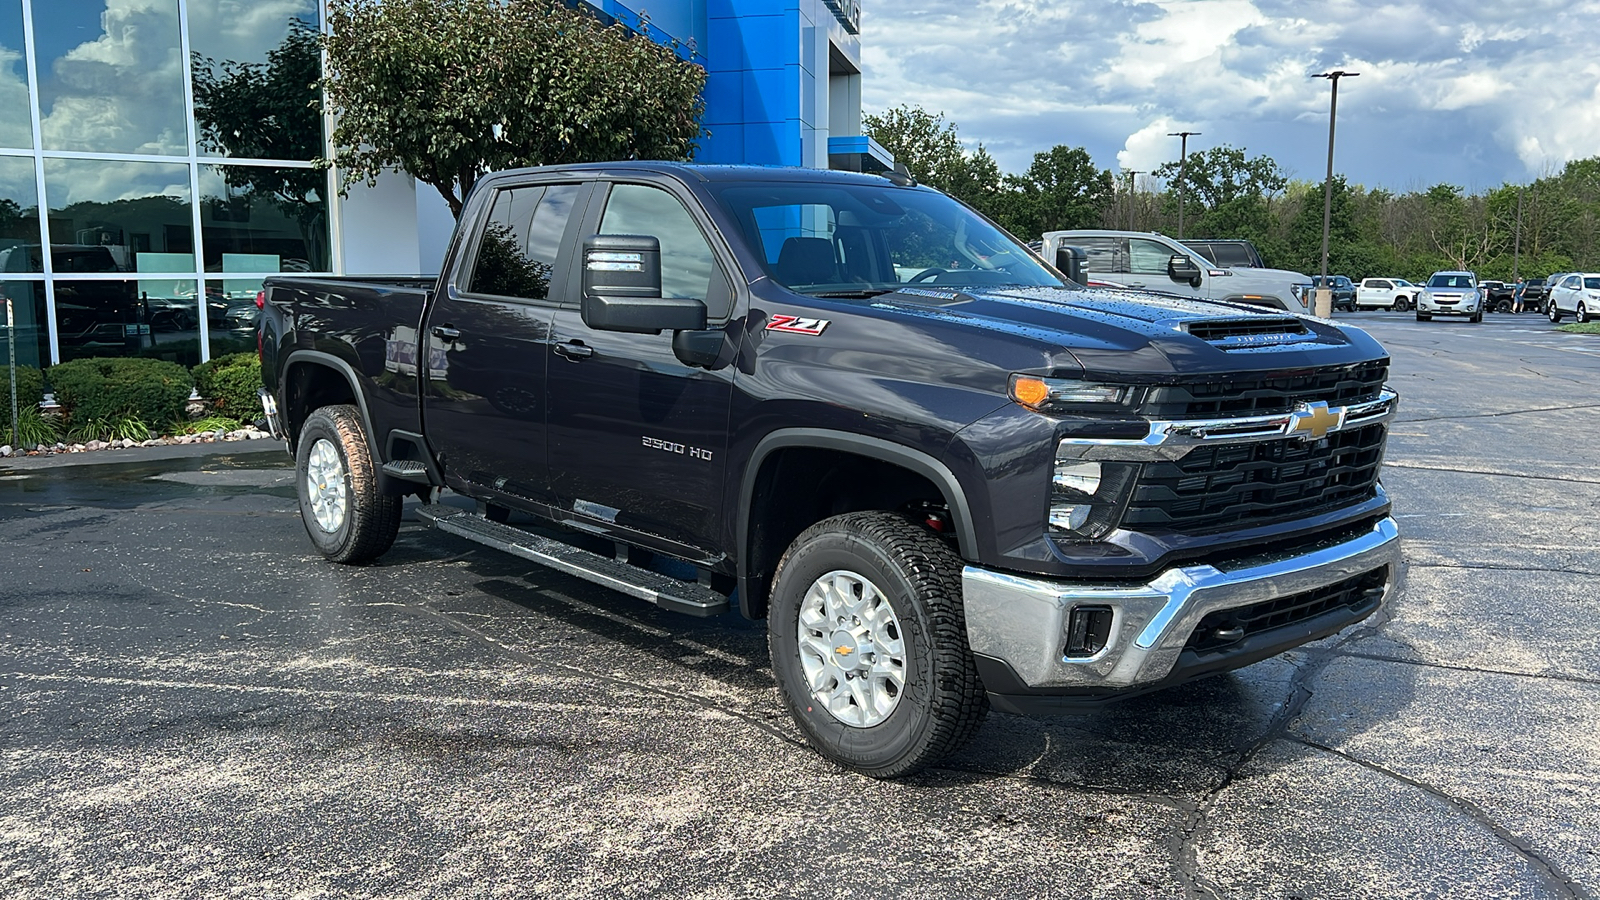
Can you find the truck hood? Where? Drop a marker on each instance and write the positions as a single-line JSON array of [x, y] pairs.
[[1126, 333]]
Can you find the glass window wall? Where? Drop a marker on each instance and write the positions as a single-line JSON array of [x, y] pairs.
[[255, 65], [19, 217], [120, 216], [264, 219], [111, 76], [16, 120], [232, 315], [28, 312]]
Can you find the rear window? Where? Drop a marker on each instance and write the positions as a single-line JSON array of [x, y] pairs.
[[1592, 282]]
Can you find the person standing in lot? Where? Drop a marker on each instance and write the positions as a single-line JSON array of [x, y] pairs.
[[1516, 295]]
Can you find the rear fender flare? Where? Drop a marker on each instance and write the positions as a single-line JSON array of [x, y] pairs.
[[345, 370]]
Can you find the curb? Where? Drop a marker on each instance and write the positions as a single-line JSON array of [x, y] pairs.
[[144, 454]]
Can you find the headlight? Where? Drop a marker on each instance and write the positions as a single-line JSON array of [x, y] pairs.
[[1087, 499], [1062, 394]]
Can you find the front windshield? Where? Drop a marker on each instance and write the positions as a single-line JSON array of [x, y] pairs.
[[1447, 280], [863, 239]]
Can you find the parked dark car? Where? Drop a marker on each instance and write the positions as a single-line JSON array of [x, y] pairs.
[[1344, 291], [1498, 296], [1230, 254]]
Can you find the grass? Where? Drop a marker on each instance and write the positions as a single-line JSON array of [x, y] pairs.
[[1585, 328], [209, 423]]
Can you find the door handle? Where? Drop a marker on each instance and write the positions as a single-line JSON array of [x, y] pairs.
[[574, 350], [446, 333]]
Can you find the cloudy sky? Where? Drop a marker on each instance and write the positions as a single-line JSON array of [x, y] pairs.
[[1467, 92]]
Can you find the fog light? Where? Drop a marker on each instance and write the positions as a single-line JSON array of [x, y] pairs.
[[1088, 631], [1070, 517]]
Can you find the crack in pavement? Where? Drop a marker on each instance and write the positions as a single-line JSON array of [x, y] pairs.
[[1557, 880], [1490, 567], [1429, 664], [1390, 464], [1496, 415]]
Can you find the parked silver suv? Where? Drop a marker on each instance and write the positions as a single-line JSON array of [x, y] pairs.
[[1450, 294]]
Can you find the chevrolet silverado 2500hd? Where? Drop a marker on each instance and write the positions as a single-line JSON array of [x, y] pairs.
[[943, 473]]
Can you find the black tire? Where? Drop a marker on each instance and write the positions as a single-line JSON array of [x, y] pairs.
[[1399, 304], [1582, 315], [1476, 317], [1424, 317], [1551, 311], [942, 702], [370, 519]]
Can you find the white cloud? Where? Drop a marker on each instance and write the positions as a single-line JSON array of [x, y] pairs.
[[16, 129], [1516, 82], [123, 90]]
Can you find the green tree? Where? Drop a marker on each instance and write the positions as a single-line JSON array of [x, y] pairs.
[[270, 111], [1062, 189], [932, 153], [451, 89]]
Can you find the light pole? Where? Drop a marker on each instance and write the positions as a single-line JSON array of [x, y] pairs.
[[1183, 155], [1130, 173], [1324, 291]]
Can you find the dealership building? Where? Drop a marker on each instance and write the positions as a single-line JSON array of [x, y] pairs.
[[120, 152]]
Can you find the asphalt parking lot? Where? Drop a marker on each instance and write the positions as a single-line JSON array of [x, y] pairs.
[[193, 704]]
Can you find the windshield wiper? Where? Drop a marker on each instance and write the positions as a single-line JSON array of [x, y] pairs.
[[862, 294]]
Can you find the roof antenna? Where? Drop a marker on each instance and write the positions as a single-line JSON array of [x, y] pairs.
[[900, 175]]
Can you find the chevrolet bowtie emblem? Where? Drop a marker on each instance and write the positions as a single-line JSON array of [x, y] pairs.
[[1311, 421], [842, 649]]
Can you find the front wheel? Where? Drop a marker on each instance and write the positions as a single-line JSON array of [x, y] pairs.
[[347, 517], [1399, 304], [869, 644], [1551, 311], [1424, 317], [1582, 315]]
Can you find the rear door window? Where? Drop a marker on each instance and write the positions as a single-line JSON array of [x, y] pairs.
[[516, 252]]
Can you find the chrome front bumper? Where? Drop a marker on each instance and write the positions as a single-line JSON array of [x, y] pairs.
[[1022, 621]]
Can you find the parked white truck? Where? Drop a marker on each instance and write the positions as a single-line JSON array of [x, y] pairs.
[[1397, 294], [1154, 262]]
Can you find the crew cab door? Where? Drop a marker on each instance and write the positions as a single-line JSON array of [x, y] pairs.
[[488, 336], [637, 438]]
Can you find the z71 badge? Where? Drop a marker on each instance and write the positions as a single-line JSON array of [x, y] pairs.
[[796, 325]]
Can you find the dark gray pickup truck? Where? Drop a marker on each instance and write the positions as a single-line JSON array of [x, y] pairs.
[[945, 475]]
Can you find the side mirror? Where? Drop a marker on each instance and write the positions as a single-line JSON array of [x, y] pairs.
[[1182, 268], [1069, 262], [622, 288]]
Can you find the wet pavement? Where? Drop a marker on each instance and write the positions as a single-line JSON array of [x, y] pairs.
[[193, 704]]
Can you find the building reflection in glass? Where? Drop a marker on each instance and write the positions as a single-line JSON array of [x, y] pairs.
[[110, 76], [19, 217], [16, 127], [255, 68], [264, 219]]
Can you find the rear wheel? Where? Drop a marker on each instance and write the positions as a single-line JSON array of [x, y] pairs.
[[869, 645], [347, 517]]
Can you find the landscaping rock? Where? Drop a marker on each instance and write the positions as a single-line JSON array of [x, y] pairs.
[[5, 450]]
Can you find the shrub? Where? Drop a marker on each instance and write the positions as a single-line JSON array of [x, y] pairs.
[[230, 383], [111, 389], [33, 427], [116, 428], [30, 391], [209, 423]]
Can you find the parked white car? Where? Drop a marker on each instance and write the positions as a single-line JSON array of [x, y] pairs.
[[1577, 294], [1397, 294], [1450, 294]]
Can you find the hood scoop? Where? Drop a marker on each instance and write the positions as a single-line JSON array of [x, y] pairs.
[[1256, 331]]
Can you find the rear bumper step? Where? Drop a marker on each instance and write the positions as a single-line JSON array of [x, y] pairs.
[[662, 590]]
